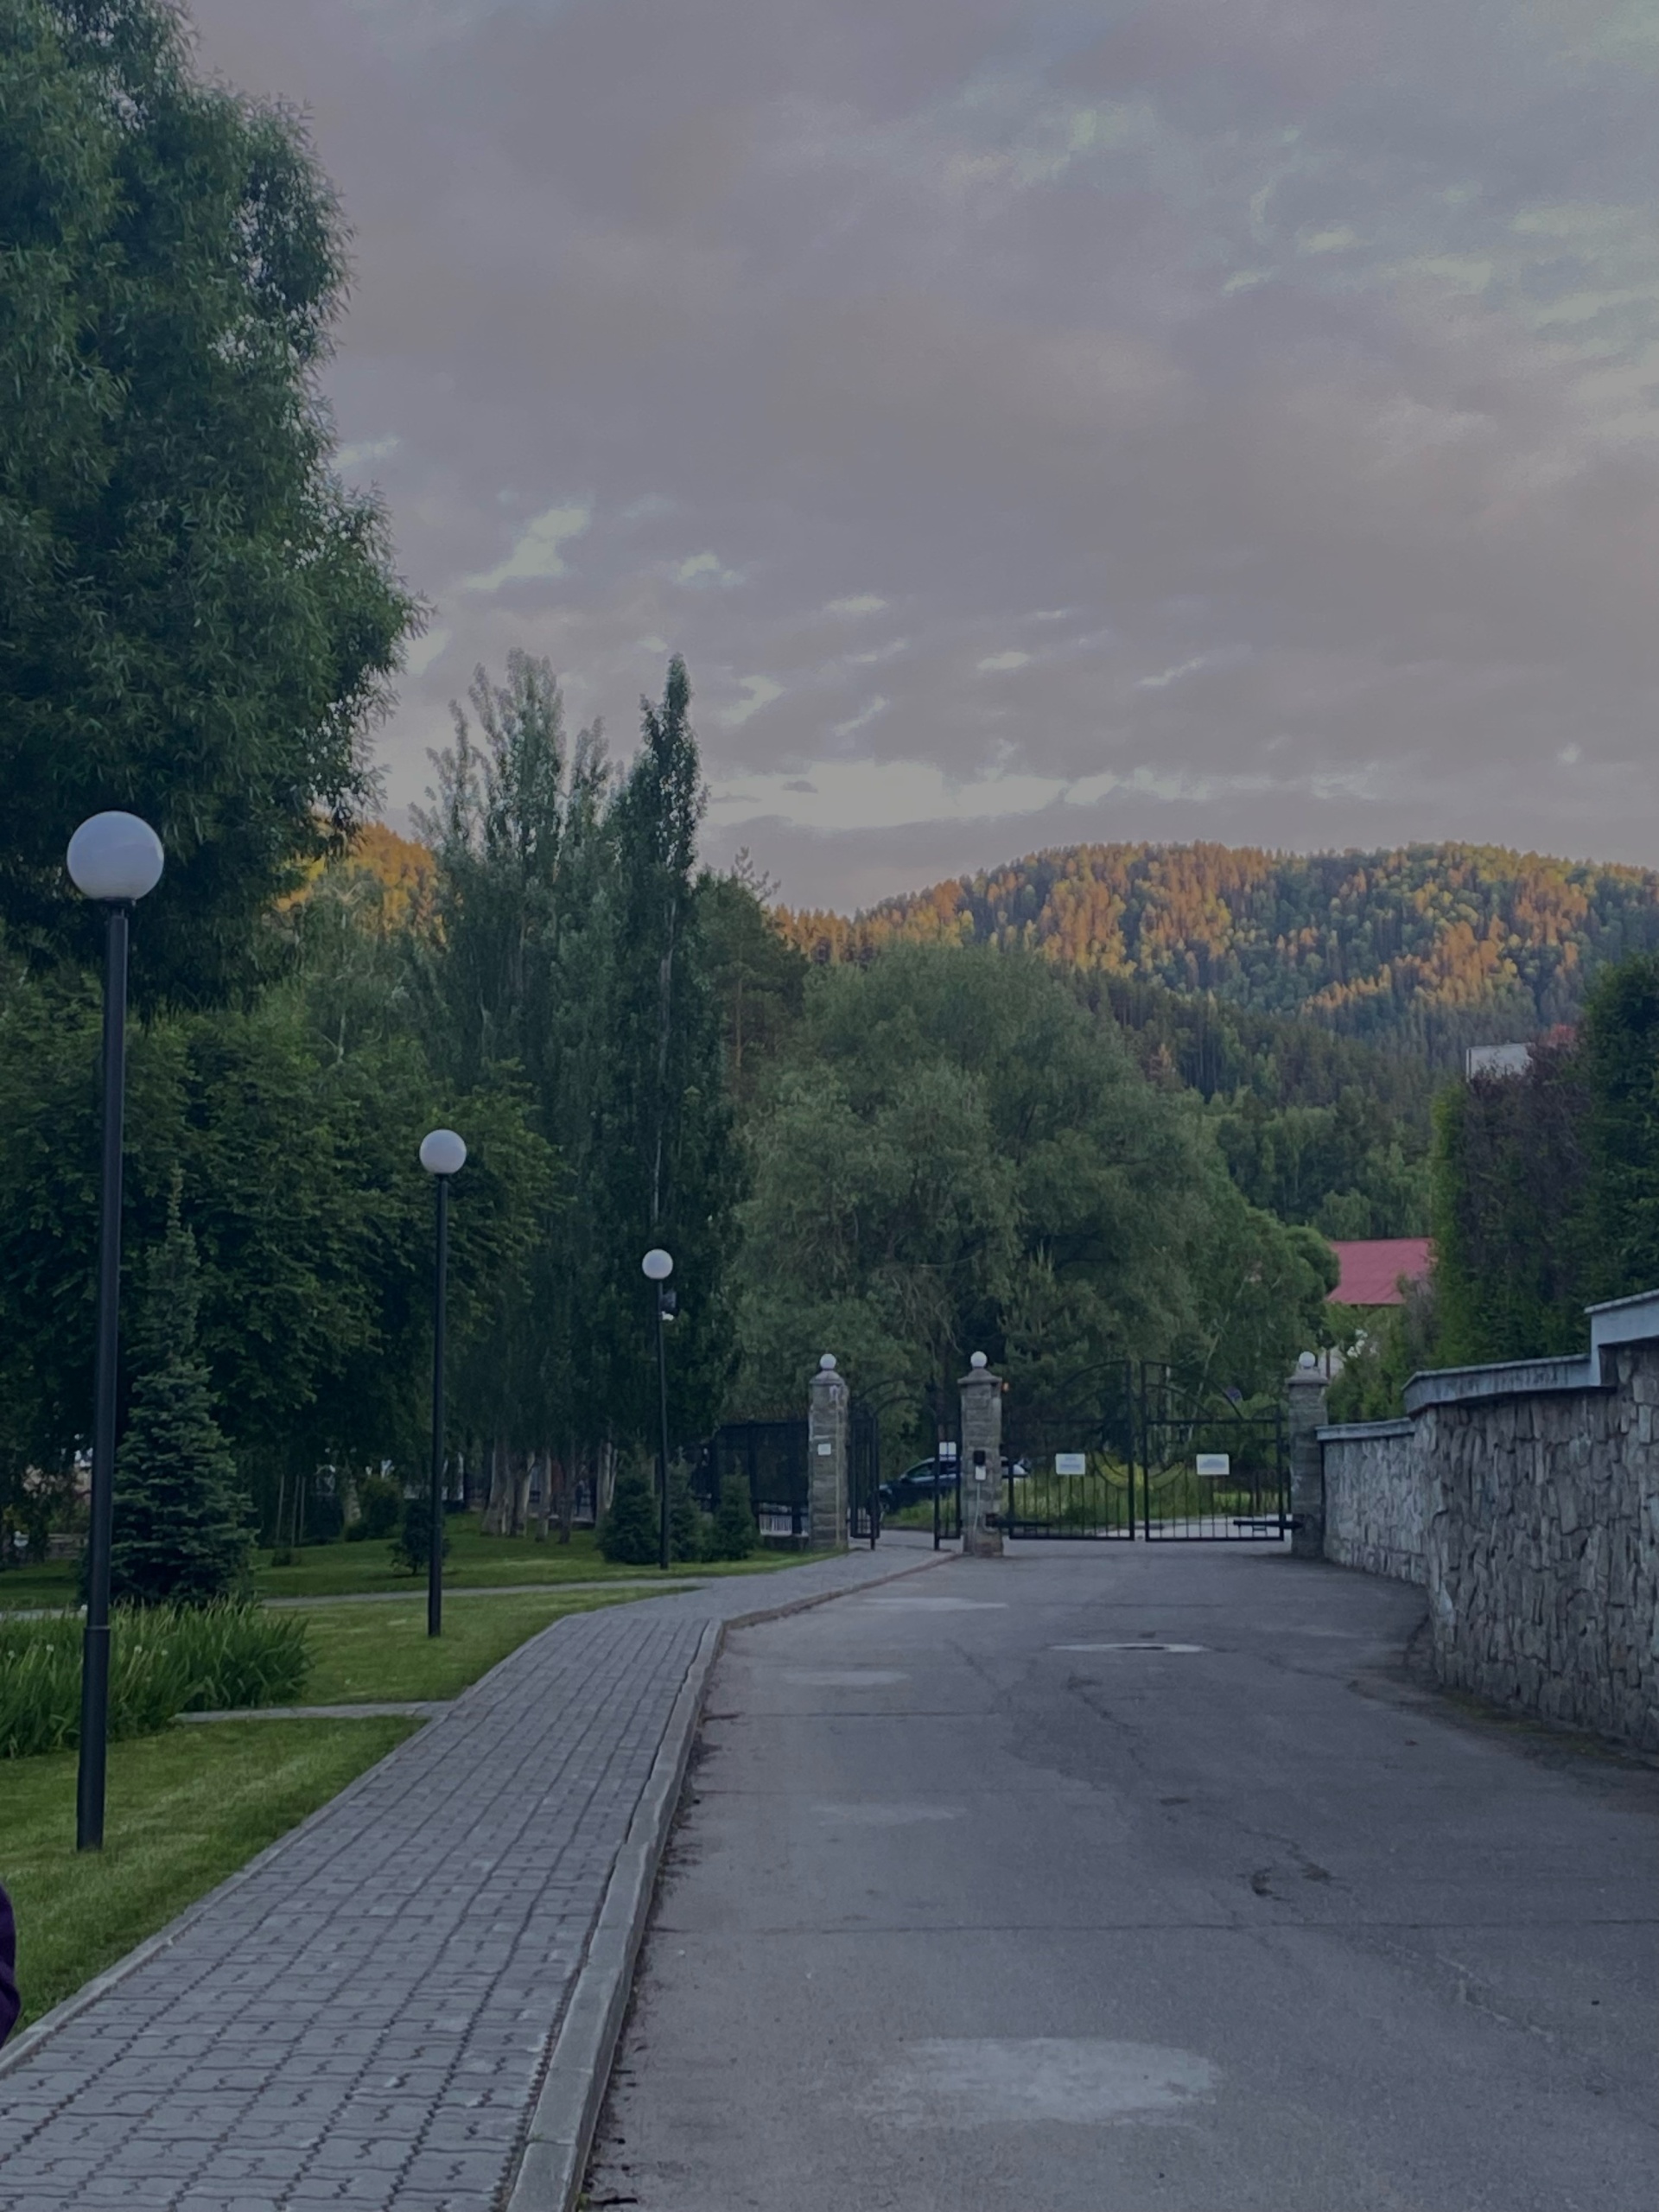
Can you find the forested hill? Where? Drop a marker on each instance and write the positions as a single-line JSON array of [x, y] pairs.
[[1429, 946]]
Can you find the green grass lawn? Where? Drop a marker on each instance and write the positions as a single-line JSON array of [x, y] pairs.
[[186, 1809], [475, 1561], [362, 1654]]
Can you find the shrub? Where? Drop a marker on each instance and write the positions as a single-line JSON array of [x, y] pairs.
[[164, 1660], [379, 1508], [411, 1548], [731, 1533], [688, 1525], [628, 1536]]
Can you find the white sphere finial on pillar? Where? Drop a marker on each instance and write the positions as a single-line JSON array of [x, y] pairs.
[[1306, 1360], [827, 1363], [978, 1361]]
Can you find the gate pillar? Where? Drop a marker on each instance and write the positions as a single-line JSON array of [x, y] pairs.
[[826, 1457], [1306, 1460], [980, 1460]]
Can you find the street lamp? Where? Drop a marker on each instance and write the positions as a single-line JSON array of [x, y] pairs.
[[118, 859], [442, 1154], [657, 1267]]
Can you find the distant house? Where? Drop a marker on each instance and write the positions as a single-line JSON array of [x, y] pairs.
[[1497, 1059], [1373, 1266]]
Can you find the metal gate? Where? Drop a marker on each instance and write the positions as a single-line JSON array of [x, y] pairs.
[[1124, 1449], [1209, 1472], [770, 1456], [863, 1475], [1069, 1456]]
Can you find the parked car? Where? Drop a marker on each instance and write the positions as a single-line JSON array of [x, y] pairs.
[[916, 1485]]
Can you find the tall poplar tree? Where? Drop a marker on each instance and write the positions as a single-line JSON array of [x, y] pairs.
[[669, 1171]]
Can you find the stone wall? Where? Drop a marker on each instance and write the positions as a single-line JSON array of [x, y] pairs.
[[1542, 1547], [1375, 1495], [1525, 1498]]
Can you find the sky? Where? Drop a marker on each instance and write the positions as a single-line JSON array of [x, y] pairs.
[[1034, 423]]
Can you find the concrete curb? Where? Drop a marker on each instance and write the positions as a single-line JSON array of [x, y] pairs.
[[560, 2139]]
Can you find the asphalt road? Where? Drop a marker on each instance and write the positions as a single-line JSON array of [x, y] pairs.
[[970, 1911]]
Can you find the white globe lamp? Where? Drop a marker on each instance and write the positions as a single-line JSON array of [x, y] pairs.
[[442, 1152], [115, 858]]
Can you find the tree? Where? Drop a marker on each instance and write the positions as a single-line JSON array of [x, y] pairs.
[[1621, 1060], [732, 1534], [629, 1534], [757, 977], [1510, 1202], [197, 620], [181, 1522], [954, 1155], [666, 1170]]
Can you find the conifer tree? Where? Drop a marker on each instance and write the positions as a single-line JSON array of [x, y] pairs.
[[733, 1533], [181, 1522], [629, 1536]]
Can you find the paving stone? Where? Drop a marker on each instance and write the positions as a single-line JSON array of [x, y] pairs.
[[297, 2046]]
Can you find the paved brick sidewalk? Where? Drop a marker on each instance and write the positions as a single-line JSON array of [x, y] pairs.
[[363, 2020]]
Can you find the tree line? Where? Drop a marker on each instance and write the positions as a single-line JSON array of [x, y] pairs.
[[1423, 949]]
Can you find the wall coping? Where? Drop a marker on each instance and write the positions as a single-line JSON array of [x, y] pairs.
[[1623, 1320], [1618, 1321], [1357, 1432], [1509, 1378]]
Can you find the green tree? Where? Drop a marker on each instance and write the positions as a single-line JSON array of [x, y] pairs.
[[629, 1534], [181, 1522], [1510, 1202], [733, 1535], [666, 1169], [197, 620], [1621, 1063], [757, 977], [956, 1156]]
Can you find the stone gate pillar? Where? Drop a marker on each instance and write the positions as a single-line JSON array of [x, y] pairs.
[[826, 1457], [980, 1392], [1306, 1459]]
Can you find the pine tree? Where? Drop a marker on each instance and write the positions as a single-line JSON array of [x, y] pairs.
[[686, 1519], [733, 1535], [629, 1536], [182, 1521]]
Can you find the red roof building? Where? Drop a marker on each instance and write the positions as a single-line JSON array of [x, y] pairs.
[[1372, 1268]]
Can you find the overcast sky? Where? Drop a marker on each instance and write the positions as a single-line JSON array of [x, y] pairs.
[[1033, 421]]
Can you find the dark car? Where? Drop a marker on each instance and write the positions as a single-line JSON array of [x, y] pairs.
[[916, 1485]]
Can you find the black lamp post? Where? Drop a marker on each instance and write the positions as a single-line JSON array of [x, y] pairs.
[[118, 859], [442, 1154], [657, 1267]]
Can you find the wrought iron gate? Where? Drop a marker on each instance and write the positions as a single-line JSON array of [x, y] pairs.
[[1069, 1457], [1210, 1472], [1125, 1450], [770, 1456], [863, 1474]]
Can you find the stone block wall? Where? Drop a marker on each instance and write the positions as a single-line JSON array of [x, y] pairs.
[[1543, 1550], [1373, 1499], [1525, 1498]]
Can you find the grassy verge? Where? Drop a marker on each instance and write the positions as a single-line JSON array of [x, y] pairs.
[[476, 1561], [186, 1809], [364, 1654]]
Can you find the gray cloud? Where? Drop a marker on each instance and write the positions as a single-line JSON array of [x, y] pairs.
[[1225, 418]]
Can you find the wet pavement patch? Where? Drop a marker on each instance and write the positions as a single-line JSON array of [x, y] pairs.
[[1038, 2080]]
